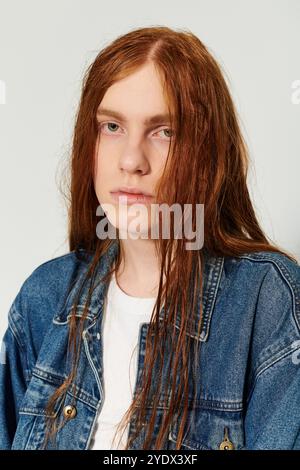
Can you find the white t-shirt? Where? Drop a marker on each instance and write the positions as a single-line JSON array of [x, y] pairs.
[[123, 315]]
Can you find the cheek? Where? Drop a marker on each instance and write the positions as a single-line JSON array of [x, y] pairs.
[[103, 175], [103, 161], [161, 149], [158, 169]]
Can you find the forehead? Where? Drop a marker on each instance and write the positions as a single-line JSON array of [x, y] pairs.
[[140, 95]]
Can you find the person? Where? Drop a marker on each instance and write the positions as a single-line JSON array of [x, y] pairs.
[[135, 340]]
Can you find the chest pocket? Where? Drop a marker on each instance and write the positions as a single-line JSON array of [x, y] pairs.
[[32, 420], [209, 429]]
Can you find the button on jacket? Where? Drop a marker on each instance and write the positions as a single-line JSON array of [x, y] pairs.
[[248, 386]]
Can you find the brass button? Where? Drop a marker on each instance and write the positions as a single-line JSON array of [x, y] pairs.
[[226, 444], [70, 411]]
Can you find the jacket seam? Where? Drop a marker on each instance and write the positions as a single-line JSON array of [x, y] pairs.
[[290, 281], [13, 328], [295, 440], [56, 380], [290, 350], [19, 344]]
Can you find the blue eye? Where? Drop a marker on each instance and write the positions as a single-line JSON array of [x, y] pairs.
[[108, 124]]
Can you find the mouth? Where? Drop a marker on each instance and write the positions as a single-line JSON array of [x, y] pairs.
[[127, 197]]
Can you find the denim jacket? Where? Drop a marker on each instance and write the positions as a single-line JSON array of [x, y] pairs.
[[248, 381]]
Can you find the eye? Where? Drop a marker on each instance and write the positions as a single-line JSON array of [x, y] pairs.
[[169, 132], [112, 127]]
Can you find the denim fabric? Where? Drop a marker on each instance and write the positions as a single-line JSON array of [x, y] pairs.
[[248, 377]]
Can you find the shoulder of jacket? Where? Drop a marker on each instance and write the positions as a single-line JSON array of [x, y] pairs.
[[43, 293], [272, 262], [274, 279], [54, 274], [276, 326]]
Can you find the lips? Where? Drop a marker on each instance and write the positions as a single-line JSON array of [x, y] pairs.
[[124, 197], [131, 190]]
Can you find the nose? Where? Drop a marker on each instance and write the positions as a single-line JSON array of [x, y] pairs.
[[133, 158]]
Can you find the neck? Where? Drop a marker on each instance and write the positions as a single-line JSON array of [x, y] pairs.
[[139, 270]]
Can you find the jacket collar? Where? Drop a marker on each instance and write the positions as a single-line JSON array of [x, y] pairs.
[[213, 267]]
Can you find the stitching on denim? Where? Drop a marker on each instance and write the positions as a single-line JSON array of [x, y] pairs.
[[287, 277], [264, 367]]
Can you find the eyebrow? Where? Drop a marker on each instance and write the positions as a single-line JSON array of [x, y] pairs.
[[156, 119]]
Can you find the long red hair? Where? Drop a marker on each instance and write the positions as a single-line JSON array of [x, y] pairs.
[[207, 164]]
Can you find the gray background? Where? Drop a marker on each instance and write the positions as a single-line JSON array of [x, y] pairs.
[[45, 47]]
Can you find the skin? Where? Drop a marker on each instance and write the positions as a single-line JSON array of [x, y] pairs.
[[131, 153]]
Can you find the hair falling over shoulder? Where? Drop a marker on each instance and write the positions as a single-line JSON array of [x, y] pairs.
[[207, 163]]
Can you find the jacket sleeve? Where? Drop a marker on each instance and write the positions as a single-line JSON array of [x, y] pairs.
[[272, 415], [12, 377], [272, 418]]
